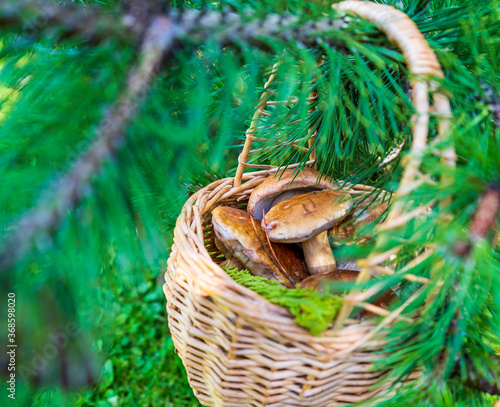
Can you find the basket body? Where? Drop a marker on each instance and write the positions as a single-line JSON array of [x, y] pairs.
[[239, 349]]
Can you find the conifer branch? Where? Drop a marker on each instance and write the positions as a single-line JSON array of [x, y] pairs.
[[483, 221], [35, 18], [39, 17], [231, 28], [190, 26], [73, 186]]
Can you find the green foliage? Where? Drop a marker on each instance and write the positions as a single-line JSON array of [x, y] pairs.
[[312, 310], [141, 367], [55, 90]]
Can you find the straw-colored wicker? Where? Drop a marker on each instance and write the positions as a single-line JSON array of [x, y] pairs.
[[240, 350]]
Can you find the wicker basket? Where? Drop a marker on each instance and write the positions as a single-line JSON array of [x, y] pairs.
[[240, 350]]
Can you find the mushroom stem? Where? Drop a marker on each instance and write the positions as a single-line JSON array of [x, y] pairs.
[[318, 254]]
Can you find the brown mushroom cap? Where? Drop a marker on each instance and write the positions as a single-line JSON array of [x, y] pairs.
[[318, 281], [290, 181], [304, 216], [352, 224], [235, 231], [291, 259]]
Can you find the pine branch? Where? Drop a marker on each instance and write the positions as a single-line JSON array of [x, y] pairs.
[[37, 18], [231, 28], [194, 28], [483, 221], [190, 26], [64, 195], [138, 14]]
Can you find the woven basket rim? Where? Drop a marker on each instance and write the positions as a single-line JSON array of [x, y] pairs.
[[223, 283]]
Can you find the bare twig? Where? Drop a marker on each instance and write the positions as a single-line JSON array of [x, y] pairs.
[[62, 197]]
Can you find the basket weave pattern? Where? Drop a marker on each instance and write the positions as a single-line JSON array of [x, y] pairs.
[[240, 350]]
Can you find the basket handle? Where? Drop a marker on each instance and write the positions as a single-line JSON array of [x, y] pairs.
[[423, 65], [421, 61], [401, 31]]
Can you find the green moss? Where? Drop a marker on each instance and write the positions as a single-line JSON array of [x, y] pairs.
[[312, 310]]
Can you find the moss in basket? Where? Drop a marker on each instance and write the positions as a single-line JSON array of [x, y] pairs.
[[312, 310]]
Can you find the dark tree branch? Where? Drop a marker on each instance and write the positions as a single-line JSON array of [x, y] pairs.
[[41, 18], [38, 18], [63, 196], [190, 26]]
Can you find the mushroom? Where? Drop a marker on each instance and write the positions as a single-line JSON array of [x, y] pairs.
[[278, 188], [231, 260], [321, 281], [305, 218], [244, 244], [344, 232]]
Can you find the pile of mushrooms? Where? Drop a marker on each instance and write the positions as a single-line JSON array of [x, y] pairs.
[[287, 210]]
